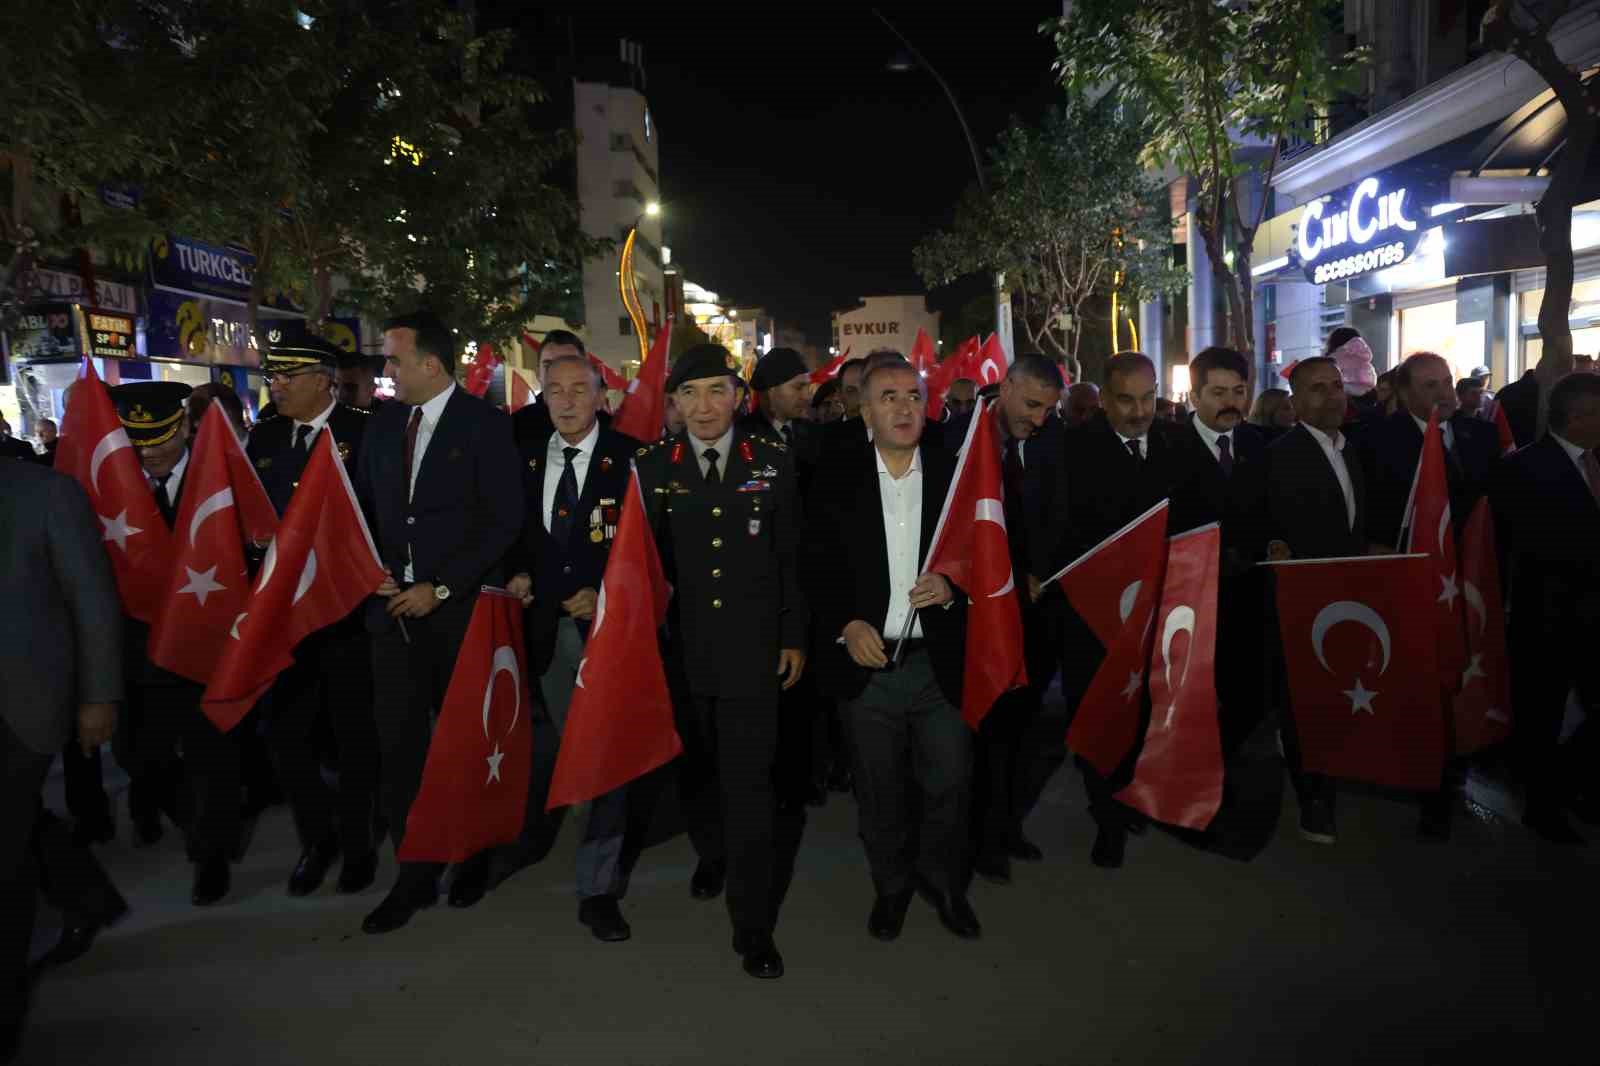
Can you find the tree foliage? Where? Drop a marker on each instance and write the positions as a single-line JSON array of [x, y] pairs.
[[1068, 215], [1221, 88]]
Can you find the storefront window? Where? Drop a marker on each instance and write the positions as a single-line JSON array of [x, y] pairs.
[[1433, 328], [1585, 309]]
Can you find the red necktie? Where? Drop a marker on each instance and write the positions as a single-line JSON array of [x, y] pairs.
[[411, 444]]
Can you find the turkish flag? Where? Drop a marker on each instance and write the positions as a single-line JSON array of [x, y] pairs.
[[223, 505], [1361, 653], [1114, 587], [828, 370], [969, 548], [613, 379], [1482, 709], [1178, 778], [519, 394], [1502, 428], [96, 451], [988, 365], [321, 566], [923, 355], [619, 724], [481, 371], [942, 375], [1432, 534], [644, 408], [474, 790]]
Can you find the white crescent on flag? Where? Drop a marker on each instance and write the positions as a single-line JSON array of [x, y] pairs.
[[1180, 620], [307, 576], [990, 509], [1475, 601], [209, 506], [1348, 611], [114, 441], [504, 661], [1130, 596]]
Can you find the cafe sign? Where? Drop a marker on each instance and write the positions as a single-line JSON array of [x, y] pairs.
[[1362, 229]]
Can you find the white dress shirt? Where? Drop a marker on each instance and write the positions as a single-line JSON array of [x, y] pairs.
[[1575, 453], [555, 462], [318, 423], [723, 445], [902, 533], [432, 411], [1210, 437], [1333, 448], [1144, 444], [175, 479], [1444, 424]]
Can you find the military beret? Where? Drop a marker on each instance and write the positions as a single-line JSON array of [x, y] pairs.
[[776, 367], [702, 361], [307, 353], [825, 392], [151, 411]]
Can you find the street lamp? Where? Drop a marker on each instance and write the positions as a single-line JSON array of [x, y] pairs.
[[628, 283], [908, 60]]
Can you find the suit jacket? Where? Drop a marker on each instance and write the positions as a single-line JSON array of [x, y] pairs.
[[279, 462], [731, 551], [465, 510], [1036, 538], [1107, 487], [1390, 451], [845, 562], [61, 632], [558, 572], [843, 435], [533, 421], [1201, 494], [1303, 504], [1520, 400], [1549, 525], [12, 448]]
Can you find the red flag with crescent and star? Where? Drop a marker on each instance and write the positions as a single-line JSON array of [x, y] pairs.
[[969, 548], [619, 724], [942, 375], [474, 791], [828, 370], [1482, 709], [320, 566], [480, 372], [1361, 653], [988, 364], [1432, 534], [1114, 587], [95, 450], [644, 407], [924, 356], [1178, 778], [613, 379], [519, 393], [223, 505]]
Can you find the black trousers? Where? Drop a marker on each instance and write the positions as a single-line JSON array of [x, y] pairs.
[[1002, 794], [202, 791], [1547, 662], [729, 800], [409, 680], [913, 765], [22, 774], [331, 680]]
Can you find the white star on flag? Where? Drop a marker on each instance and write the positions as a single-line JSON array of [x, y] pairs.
[[1448, 594], [494, 764], [1360, 698], [202, 583], [1135, 682], [1474, 669], [117, 529]]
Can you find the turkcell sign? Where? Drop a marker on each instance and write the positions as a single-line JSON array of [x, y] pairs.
[[1365, 229], [192, 266]]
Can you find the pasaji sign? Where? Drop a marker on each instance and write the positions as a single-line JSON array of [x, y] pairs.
[[1364, 228]]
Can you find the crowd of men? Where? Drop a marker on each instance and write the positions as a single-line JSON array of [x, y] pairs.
[[806, 647]]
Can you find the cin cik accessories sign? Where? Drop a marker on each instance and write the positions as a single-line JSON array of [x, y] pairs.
[[1366, 227]]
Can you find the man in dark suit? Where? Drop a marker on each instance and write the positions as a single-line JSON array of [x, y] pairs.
[[533, 423], [1033, 466], [439, 480], [1314, 507], [1390, 450], [575, 484], [1120, 464], [62, 660], [1217, 458], [331, 675], [871, 518], [356, 378], [1547, 506], [726, 516], [163, 710], [11, 447], [1526, 401]]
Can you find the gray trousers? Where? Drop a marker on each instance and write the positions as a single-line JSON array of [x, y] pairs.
[[600, 850], [912, 755]]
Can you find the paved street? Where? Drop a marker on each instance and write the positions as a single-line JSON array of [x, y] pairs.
[[1377, 950]]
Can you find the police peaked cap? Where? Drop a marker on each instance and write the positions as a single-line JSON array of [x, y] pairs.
[[151, 411]]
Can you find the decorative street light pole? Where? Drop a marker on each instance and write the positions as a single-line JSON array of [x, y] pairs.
[[628, 283]]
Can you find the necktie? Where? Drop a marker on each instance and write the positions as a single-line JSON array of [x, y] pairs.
[[563, 512], [712, 476], [1013, 470], [1225, 454], [411, 445], [1133, 450], [788, 434], [1591, 474], [302, 436], [168, 512]]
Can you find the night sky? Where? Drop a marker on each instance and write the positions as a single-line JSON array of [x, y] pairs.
[[797, 171]]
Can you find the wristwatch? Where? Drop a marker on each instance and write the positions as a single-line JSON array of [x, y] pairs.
[[441, 592]]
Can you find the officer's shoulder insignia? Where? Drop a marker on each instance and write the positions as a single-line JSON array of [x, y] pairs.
[[273, 417], [263, 462], [363, 412], [344, 452], [770, 443]]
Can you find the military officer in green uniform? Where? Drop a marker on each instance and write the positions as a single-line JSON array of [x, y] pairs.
[[725, 511]]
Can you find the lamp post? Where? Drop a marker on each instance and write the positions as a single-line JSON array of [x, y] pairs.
[[1002, 305], [628, 283]]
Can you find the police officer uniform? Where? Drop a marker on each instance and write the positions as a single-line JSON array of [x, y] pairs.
[[726, 519], [331, 680], [163, 710]]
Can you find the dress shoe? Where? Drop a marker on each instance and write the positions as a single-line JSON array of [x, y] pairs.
[[357, 875], [761, 958], [77, 936], [955, 913], [1551, 825], [1109, 844], [1316, 821], [147, 829], [403, 900], [1025, 850], [707, 880], [604, 918], [996, 869], [97, 830], [313, 867], [889, 915], [212, 879], [471, 881]]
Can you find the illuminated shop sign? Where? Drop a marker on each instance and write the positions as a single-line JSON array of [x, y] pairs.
[[1365, 228]]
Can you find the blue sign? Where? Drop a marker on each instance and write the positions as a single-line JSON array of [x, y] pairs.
[[207, 269], [199, 329], [121, 196]]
